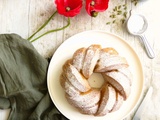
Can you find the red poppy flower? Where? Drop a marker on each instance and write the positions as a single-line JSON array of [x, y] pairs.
[[68, 8], [95, 6]]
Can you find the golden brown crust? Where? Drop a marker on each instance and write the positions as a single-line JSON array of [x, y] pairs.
[[78, 58], [90, 60], [109, 51], [80, 67]]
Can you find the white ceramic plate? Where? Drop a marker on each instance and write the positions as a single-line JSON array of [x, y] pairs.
[[85, 39]]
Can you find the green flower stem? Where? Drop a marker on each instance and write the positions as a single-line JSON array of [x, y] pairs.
[[43, 25], [50, 31]]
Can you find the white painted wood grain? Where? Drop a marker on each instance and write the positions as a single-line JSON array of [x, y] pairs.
[[24, 17]]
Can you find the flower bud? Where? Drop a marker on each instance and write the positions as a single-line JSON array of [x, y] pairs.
[[94, 14]]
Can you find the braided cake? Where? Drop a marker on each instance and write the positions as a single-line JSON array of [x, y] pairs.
[[105, 61]]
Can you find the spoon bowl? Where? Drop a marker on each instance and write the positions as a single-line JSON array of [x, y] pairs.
[[140, 27]]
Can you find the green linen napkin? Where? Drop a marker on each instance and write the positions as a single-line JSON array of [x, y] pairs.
[[23, 85]]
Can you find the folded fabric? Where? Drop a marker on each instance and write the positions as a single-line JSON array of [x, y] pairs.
[[23, 88]]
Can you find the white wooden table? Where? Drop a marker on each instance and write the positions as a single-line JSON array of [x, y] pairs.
[[26, 16]]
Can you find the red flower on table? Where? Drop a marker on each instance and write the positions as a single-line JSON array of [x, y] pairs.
[[68, 8], [95, 6], [71, 8]]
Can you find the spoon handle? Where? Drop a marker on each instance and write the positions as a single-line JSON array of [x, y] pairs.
[[148, 48]]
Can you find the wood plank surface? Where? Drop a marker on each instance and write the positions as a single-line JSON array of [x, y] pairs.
[[24, 17]]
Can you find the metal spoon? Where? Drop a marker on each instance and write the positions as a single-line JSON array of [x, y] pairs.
[[137, 25]]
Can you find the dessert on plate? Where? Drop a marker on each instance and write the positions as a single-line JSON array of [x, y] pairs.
[[116, 74]]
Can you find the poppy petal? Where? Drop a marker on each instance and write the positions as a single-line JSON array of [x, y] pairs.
[[96, 6], [68, 8]]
